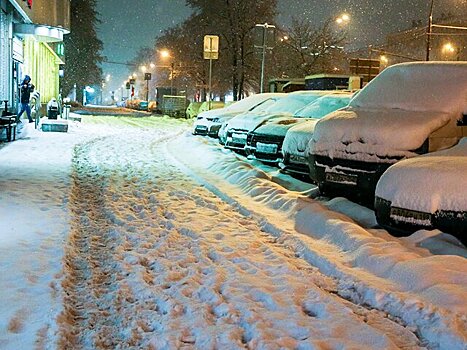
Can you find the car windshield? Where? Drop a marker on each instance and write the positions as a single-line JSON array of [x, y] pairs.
[[247, 103], [263, 106], [324, 105], [292, 103]]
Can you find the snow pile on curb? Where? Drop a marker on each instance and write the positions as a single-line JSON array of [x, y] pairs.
[[394, 275]]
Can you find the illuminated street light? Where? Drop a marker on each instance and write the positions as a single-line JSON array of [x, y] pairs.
[[383, 59], [344, 18], [449, 48], [143, 69], [165, 54], [152, 65]]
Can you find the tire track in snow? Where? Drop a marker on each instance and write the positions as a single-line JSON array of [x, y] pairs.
[[156, 261]]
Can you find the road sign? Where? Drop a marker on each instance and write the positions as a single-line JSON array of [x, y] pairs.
[[211, 47], [147, 76], [132, 81], [128, 85]]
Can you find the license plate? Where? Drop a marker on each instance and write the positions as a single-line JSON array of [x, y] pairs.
[[341, 178], [201, 127], [268, 148], [239, 138], [410, 216], [298, 159]]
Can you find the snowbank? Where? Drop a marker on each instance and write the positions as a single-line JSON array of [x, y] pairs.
[[435, 181], [423, 290]]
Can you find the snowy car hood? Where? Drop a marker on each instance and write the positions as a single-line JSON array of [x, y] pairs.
[[278, 126], [250, 121], [374, 134], [298, 137], [435, 181]]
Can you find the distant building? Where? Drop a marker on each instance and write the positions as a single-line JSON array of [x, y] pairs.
[[31, 35], [447, 44]]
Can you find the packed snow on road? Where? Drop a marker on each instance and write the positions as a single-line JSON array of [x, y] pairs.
[[131, 233]]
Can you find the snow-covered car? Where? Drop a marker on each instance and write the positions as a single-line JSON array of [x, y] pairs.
[[239, 127], [209, 122], [426, 192], [407, 110], [265, 142], [193, 109]]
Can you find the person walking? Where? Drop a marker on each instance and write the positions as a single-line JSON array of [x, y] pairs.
[[26, 89]]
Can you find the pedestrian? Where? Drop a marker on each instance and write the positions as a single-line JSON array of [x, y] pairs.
[[26, 89]]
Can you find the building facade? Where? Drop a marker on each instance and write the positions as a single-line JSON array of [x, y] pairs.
[[31, 33]]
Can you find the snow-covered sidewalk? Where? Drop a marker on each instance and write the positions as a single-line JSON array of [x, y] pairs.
[[138, 238]]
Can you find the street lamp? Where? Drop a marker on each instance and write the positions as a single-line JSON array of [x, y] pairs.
[[264, 45], [344, 18], [164, 55]]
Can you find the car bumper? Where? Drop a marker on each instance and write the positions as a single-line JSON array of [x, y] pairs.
[[236, 140], [402, 221], [200, 130], [295, 164], [205, 130], [266, 148], [346, 177]]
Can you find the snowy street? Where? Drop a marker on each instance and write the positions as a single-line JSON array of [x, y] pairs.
[[137, 235]]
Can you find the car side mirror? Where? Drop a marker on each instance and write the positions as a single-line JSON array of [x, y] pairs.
[[463, 120]]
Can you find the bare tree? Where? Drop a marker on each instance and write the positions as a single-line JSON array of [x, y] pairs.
[[306, 49]]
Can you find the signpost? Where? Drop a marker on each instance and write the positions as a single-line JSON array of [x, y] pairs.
[[211, 52], [147, 77]]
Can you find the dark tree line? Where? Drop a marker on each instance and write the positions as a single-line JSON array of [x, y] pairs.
[[82, 48]]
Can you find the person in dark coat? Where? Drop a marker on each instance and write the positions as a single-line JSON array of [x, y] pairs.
[[26, 89]]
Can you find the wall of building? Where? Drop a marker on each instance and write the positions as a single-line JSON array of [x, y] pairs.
[[41, 63], [5, 54]]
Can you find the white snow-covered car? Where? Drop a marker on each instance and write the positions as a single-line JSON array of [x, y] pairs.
[[209, 122], [426, 192], [407, 110], [239, 127], [265, 142]]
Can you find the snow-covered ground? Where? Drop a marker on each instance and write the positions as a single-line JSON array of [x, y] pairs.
[[129, 233]]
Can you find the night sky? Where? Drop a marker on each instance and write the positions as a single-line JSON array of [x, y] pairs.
[[123, 33]]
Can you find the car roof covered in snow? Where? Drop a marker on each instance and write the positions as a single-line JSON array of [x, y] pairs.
[[287, 106], [395, 113], [417, 86]]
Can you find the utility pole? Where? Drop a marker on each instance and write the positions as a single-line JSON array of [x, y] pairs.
[[429, 31], [172, 77]]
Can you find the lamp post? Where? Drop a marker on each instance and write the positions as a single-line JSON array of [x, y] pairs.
[[164, 55], [264, 46]]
